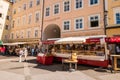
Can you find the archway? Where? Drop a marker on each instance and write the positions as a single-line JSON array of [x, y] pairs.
[[51, 31]]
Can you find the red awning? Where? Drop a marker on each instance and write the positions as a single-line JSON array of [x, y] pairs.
[[113, 39], [48, 42]]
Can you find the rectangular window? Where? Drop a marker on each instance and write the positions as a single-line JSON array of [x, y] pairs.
[[24, 6], [92, 2], [0, 15], [28, 34], [66, 25], [94, 21], [37, 16], [14, 11], [29, 19], [24, 19], [117, 18], [6, 27], [79, 4], [47, 11], [56, 9], [36, 33], [37, 2], [12, 35], [7, 17], [66, 6], [79, 23], [31, 4]]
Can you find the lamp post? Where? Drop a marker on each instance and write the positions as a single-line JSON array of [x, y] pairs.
[[105, 12]]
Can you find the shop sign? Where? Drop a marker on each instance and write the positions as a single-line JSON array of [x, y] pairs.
[[48, 42], [95, 40]]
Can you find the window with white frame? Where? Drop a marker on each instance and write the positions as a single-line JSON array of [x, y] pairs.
[[47, 11], [37, 16], [31, 4], [78, 4], [66, 25], [93, 2], [18, 21], [12, 35], [94, 21], [22, 33], [66, 6], [79, 23], [37, 2], [56, 8], [36, 33], [24, 20], [29, 18], [117, 16], [28, 34]]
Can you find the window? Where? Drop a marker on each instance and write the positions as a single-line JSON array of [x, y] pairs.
[[94, 21], [37, 2], [78, 4], [66, 6], [36, 33], [66, 25], [12, 35], [37, 16], [18, 21], [14, 11], [7, 17], [28, 34], [6, 27], [24, 19], [47, 11], [24, 7], [117, 16], [79, 23], [29, 18], [92, 2], [31, 4], [56, 9], [13, 23], [0, 15]]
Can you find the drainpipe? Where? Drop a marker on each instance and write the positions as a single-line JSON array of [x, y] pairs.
[[105, 15], [43, 2]]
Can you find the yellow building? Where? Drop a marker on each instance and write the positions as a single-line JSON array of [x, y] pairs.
[[69, 18], [113, 28], [35, 20], [26, 21]]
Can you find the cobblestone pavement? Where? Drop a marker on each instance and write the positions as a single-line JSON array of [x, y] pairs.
[[11, 69]]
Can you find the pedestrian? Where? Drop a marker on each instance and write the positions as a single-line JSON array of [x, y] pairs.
[[32, 51], [20, 54], [118, 49], [25, 54]]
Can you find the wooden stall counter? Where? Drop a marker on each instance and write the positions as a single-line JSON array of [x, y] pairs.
[[115, 57]]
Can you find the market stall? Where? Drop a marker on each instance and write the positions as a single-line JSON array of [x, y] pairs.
[[90, 50]]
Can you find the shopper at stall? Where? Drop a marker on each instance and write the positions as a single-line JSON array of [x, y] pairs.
[[25, 54], [20, 54], [118, 49]]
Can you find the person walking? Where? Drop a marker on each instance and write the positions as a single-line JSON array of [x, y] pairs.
[[20, 54], [25, 54]]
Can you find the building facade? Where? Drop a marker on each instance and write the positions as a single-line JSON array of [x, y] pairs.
[[26, 21], [7, 26], [68, 18], [113, 28], [4, 5], [35, 20]]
